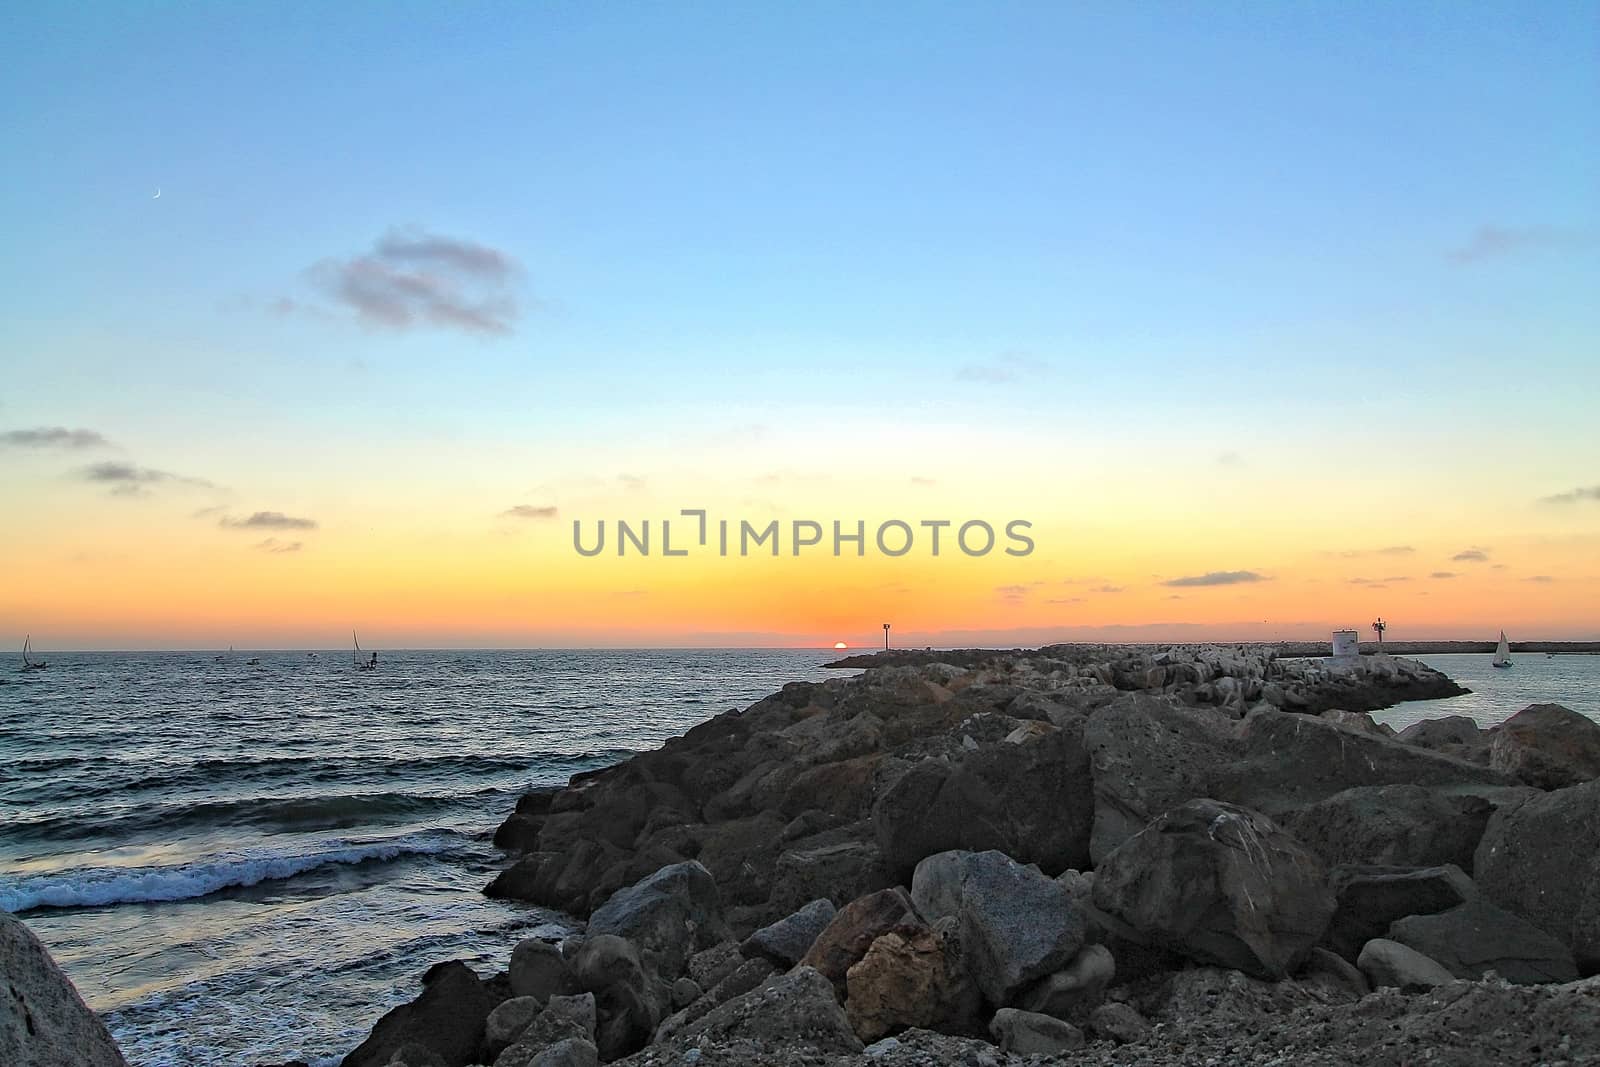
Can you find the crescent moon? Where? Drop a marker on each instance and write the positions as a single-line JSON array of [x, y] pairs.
[[158, 193]]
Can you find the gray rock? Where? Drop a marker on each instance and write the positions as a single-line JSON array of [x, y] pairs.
[[1028, 1033], [1336, 969], [1072, 992], [710, 966], [1031, 800], [1150, 755], [668, 916], [1474, 938], [1016, 925], [685, 991], [1371, 898], [840, 871], [538, 970], [746, 976], [628, 1001], [1541, 860], [1453, 735], [1390, 964], [1548, 747], [507, 1022], [415, 1055], [1220, 884], [797, 1008], [570, 1052], [564, 1019], [1118, 1022], [786, 941], [449, 1018], [43, 1021], [1393, 825]]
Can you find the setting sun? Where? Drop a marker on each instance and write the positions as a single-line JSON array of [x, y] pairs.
[[840, 644]]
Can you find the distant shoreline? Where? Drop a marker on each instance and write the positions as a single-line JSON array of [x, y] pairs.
[[1286, 649]]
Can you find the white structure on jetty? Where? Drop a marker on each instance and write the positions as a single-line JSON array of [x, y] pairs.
[[1346, 644]]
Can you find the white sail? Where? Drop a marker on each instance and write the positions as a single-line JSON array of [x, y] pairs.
[[1502, 653]]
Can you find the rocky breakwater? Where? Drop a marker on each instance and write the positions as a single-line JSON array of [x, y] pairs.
[[1032, 854]]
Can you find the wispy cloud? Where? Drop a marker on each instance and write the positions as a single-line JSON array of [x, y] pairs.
[[1361, 553], [1230, 459], [1442, 574], [1471, 555], [1542, 579], [1492, 242], [413, 279], [268, 520], [1065, 600], [632, 482], [1216, 578], [126, 479], [1573, 496], [529, 511], [1107, 589], [53, 437], [277, 547], [1007, 367], [922, 482]]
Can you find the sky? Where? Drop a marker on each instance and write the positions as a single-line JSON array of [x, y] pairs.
[[1266, 318]]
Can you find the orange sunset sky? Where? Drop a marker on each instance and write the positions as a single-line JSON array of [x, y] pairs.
[[1284, 323]]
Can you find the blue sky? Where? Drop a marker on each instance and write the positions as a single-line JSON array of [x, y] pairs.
[[1110, 229]]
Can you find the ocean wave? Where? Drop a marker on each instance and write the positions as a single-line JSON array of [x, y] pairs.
[[94, 887], [316, 811], [97, 776]]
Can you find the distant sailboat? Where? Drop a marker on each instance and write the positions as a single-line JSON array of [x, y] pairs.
[[28, 662], [363, 661], [1502, 653]]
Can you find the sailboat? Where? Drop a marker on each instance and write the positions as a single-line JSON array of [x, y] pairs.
[[1502, 653], [28, 662], [362, 660]]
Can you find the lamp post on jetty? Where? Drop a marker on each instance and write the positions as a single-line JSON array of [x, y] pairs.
[[886, 637], [1380, 626]]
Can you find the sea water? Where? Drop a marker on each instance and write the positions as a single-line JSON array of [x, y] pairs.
[[242, 863]]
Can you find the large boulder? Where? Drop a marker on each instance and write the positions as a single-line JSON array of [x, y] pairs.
[[1389, 963], [1453, 735], [449, 1018], [839, 871], [794, 1009], [1032, 800], [1392, 825], [668, 915], [43, 1021], [1474, 938], [1547, 746], [1150, 754], [1016, 925], [786, 941], [905, 979], [562, 1034], [538, 970], [628, 1001], [853, 930], [1371, 898], [1219, 884], [1541, 860]]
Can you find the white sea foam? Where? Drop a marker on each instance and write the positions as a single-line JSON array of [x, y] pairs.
[[88, 887]]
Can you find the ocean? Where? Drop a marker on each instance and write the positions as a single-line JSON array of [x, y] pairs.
[[243, 864]]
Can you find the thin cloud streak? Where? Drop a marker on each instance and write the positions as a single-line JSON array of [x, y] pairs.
[[1215, 578], [528, 511], [1495, 242], [53, 437], [1573, 496], [268, 520]]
